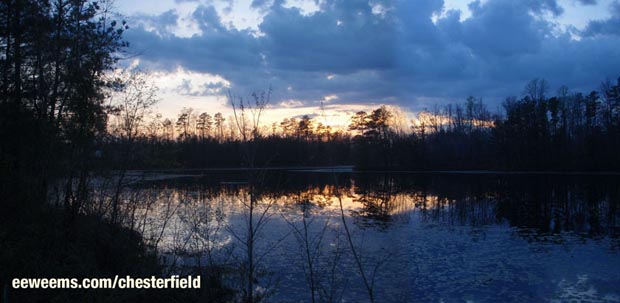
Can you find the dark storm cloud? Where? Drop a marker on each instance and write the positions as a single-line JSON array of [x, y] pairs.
[[343, 39], [218, 50], [400, 53], [503, 28]]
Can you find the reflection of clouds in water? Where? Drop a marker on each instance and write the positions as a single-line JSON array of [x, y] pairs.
[[441, 244]]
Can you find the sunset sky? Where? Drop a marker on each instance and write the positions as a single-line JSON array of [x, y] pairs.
[[352, 55]]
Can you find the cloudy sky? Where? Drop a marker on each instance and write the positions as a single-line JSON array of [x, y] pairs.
[[356, 54]]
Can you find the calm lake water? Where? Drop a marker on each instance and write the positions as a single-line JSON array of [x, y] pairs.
[[420, 237]]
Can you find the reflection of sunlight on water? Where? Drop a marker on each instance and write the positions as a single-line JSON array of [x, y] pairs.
[[459, 247], [176, 210], [192, 222]]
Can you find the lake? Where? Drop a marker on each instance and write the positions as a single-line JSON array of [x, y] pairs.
[[417, 237]]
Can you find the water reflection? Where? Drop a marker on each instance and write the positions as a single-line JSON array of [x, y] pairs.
[[537, 205], [428, 237], [547, 204]]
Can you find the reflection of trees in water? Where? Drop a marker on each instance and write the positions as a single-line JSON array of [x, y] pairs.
[[386, 199], [191, 220], [464, 211], [589, 208], [546, 203], [382, 203], [191, 217], [321, 196], [376, 206]]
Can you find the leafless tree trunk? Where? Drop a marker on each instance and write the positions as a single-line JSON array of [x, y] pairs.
[[247, 117]]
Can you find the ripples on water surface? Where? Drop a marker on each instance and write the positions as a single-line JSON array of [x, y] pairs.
[[430, 237]]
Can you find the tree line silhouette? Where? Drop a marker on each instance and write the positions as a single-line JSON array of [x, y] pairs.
[[566, 132]]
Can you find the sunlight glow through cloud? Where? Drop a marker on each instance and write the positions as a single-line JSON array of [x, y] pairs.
[[365, 53]]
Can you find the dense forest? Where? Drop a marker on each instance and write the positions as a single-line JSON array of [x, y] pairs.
[[566, 132]]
